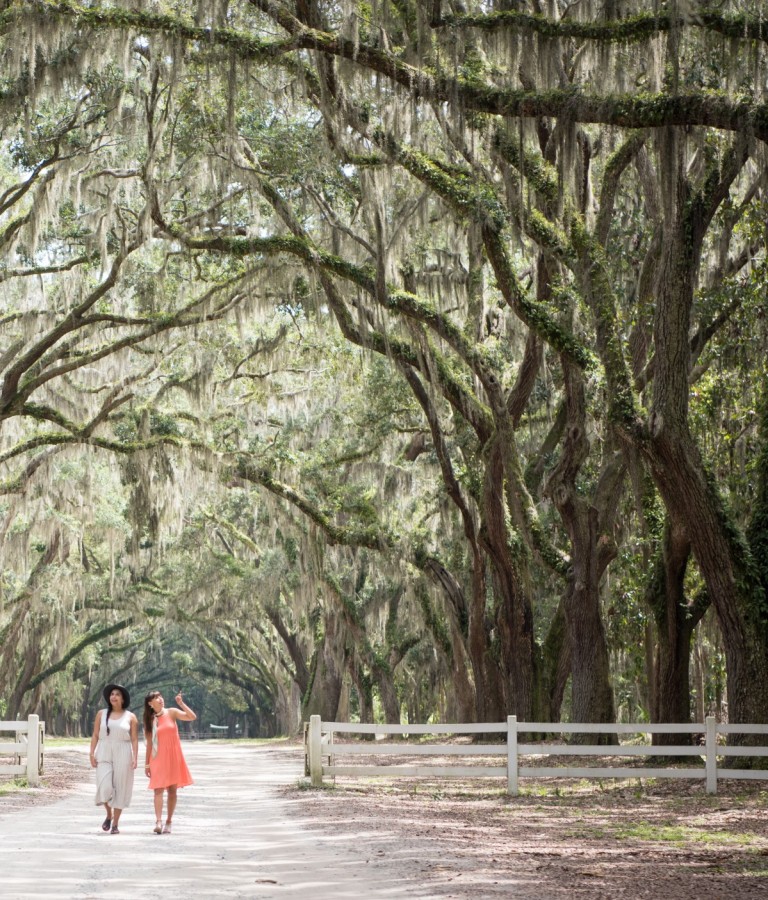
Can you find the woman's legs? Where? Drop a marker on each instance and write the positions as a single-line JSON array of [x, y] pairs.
[[171, 803], [159, 808], [158, 805], [115, 818]]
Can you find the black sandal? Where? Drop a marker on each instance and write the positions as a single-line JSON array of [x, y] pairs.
[[115, 830], [106, 824]]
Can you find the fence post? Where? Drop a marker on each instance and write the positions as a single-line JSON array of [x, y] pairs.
[[315, 757], [711, 766], [512, 755], [33, 751]]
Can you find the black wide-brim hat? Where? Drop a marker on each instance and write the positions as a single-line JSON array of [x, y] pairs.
[[117, 687]]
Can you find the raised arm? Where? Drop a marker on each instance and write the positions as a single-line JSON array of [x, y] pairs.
[[184, 713]]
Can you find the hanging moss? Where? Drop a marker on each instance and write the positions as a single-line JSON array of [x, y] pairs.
[[633, 28], [485, 208]]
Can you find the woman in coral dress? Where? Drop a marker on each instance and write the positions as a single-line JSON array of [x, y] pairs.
[[165, 767]]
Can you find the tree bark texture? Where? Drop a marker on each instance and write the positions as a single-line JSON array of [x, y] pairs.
[[592, 548], [457, 615], [689, 493], [675, 621], [324, 691], [513, 615]]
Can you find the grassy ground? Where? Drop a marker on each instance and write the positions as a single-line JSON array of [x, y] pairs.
[[664, 839]]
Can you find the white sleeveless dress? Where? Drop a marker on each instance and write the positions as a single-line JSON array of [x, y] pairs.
[[114, 761]]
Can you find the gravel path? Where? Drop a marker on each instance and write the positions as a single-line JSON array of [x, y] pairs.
[[246, 830], [234, 836]]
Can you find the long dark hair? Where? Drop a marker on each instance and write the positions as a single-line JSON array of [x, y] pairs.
[[149, 713]]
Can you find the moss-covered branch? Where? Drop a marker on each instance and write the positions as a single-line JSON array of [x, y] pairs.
[[97, 634], [244, 44], [629, 111], [57, 440], [374, 537], [480, 203], [409, 305], [599, 291], [630, 30]]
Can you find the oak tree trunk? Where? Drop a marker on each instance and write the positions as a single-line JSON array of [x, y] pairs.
[[675, 621]]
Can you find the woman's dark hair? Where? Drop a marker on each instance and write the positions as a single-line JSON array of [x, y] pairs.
[[149, 713]]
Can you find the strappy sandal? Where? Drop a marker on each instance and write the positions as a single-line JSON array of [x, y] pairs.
[[115, 830], [106, 824], [158, 829], [167, 828]]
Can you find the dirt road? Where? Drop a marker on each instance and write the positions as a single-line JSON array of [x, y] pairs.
[[245, 830], [234, 836]]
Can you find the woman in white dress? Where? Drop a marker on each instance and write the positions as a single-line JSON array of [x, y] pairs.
[[114, 754]]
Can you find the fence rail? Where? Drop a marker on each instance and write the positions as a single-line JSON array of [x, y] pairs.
[[28, 745], [206, 736], [320, 744]]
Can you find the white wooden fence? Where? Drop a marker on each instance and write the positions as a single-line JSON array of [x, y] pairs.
[[26, 749], [321, 745]]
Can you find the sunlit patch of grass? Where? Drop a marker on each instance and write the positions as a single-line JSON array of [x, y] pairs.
[[536, 790], [14, 784], [666, 832], [66, 741], [681, 834], [586, 788], [306, 785]]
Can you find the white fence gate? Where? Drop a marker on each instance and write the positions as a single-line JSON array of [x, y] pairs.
[[26, 749], [321, 744]]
